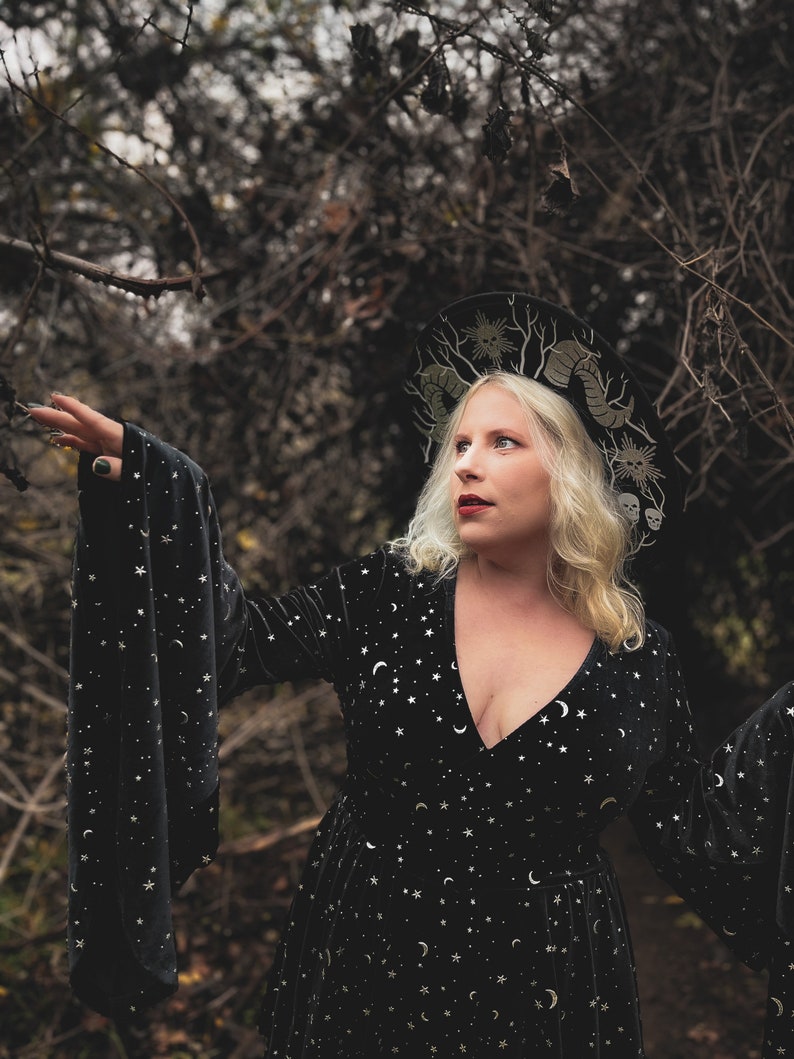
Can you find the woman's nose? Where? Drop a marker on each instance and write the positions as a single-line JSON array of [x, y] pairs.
[[467, 467]]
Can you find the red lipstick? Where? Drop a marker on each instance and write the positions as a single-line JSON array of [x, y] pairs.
[[471, 504]]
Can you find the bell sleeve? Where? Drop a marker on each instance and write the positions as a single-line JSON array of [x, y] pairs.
[[720, 833], [162, 634]]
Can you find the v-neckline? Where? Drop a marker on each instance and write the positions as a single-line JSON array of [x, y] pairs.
[[450, 588]]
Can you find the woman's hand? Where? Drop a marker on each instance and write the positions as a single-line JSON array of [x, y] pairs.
[[83, 428]]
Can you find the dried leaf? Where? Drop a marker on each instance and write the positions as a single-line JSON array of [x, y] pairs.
[[366, 54], [497, 141], [435, 95], [561, 194], [543, 9], [15, 476], [538, 45], [335, 216]]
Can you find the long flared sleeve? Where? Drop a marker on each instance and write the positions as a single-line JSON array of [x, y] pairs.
[[161, 635], [720, 833]]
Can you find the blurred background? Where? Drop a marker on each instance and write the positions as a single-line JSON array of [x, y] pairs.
[[227, 221]]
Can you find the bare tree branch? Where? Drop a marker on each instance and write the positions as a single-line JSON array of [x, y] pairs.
[[56, 261]]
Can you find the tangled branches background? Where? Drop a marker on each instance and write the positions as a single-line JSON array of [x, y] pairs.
[[228, 222]]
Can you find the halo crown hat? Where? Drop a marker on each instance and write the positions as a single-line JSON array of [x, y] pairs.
[[515, 332]]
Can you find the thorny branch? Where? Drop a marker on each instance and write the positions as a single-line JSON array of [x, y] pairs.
[[58, 261]]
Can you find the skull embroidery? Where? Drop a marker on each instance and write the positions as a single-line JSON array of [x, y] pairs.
[[654, 518], [489, 338], [635, 463], [631, 506]]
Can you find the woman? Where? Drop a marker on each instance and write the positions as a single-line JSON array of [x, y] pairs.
[[504, 700]]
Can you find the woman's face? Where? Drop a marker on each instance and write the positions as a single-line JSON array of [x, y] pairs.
[[499, 486]]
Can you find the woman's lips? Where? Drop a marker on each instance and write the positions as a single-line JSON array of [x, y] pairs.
[[472, 505]]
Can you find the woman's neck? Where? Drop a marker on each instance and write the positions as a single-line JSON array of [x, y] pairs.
[[525, 582]]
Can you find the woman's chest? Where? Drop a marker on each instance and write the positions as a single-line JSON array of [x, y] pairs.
[[509, 672], [406, 710]]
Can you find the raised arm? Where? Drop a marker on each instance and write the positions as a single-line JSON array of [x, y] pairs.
[[161, 635], [157, 622]]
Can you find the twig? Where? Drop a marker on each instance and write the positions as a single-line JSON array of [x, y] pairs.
[[24, 821], [38, 807], [34, 692], [257, 843], [305, 768], [257, 720], [39, 939], [19, 641], [24, 312]]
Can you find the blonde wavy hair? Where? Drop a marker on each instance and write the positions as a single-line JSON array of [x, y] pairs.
[[588, 532]]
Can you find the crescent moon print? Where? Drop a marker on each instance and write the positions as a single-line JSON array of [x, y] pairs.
[[553, 998], [564, 707], [535, 882], [608, 801], [460, 731], [376, 667], [424, 947], [719, 779], [778, 1004]]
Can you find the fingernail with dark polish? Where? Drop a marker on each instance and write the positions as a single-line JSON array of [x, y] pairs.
[[101, 467]]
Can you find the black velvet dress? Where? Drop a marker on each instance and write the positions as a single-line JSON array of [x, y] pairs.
[[455, 901]]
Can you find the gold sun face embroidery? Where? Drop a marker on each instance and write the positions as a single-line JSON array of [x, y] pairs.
[[489, 338], [636, 463]]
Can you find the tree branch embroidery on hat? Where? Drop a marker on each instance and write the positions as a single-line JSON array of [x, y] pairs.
[[515, 332]]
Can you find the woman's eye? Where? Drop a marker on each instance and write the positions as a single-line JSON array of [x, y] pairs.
[[504, 443], [461, 446]]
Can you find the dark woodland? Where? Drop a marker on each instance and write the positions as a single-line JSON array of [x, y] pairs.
[[227, 221]]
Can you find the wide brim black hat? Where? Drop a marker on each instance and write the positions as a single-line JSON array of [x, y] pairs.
[[529, 336]]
